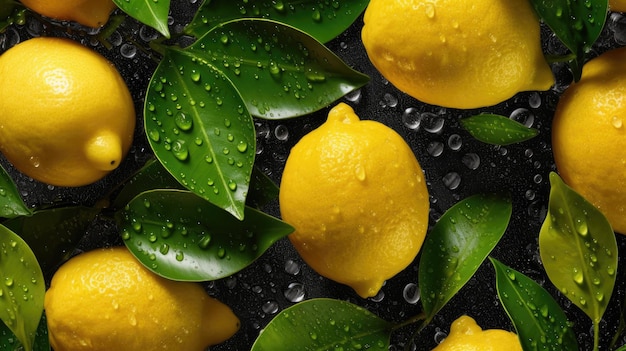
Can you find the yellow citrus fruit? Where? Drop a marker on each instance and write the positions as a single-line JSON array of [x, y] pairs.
[[617, 5], [90, 13], [589, 135], [457, 53], [67, 115], [357, 199], [466, 335], [106, 300]]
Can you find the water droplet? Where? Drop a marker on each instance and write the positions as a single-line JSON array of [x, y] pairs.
[[270, 307], [360, 172], [316, 15], [429, 10], [183, 121], [616, 121], [292, 267], [8, 281], [578, 277], [232, 185], [164, 249], [180, 151], [411, 293], [411, 118], [471, 160], [154, 135], [205, 241], [295, 292], [180, 256], [242, 147], [452, 180], [195, 76]]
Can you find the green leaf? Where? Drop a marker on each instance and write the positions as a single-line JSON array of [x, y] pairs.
[[8, 340], [540, 322], [319, 18], [324, 324], [262, 189], [200, 130], [11, 12], [53, 234], [298, 74], [578, 249], [22, 288], [149, 12], [181, 236], [458, 244], [151, 176], [497, 130], [577, 24], [11, 204]]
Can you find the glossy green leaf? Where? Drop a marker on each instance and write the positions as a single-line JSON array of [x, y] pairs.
[[622, 348], [151, 176], [497, 130], [319, 18], [200, 130], [22, 288], [540, 322], [324, 324], [577, 24], [149, 12], [53, 234], [578, 249], [10, 12], [298, 74], [181, 236], [11, 204], [458, 244], [8, 341]]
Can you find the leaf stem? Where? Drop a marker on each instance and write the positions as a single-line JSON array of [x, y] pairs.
[[560, 58], [596, 336], [417, 318]]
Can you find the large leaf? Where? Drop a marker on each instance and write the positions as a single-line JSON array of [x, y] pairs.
[[22, 288], [539, 320], [578, 249], [324, 324], [577, 24], [200, 130], [281, 72], [153, 13], [319, 18], [497, 130], [458, 244], [181, 236], [8, 341], [53, 234]]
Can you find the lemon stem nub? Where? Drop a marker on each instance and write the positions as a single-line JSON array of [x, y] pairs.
[[104, 151]]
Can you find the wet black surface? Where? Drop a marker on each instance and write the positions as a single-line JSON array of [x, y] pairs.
[[456, 166]]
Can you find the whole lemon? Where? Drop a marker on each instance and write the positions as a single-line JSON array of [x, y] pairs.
[[466, 335], [589, 135], [617, 5], [106, 300], [457, 53], [67, 115], [90, 13], [356, 196]]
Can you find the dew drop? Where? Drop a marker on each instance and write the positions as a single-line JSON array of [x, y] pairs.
[[616, 121], [205, 241], [242, 147], [180, 151], [295, 292], [183, 121], [180, 256], [411, 293]]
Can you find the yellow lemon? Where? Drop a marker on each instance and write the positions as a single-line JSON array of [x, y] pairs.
[[457, 53], [90, 13], [106, 300], [466, 335], [617, 5], [589, 135], [67, 116], [357, 199]]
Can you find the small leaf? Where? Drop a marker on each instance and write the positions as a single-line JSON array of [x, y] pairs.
[[181, 236], [9, 342], [540, 322], [577, 24], [497, 130], [10, 12], [314, 17], [578, 249], [324, 324], [22, 288], [149, 12], [11, 204], [200, 130], [458, 244], [298, 74], [151, 176], [53, 234]]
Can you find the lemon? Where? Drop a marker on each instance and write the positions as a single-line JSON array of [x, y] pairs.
[[67, 115], [589, 135], [90, 13], [106, 300], [357, 199], [457, 53], [466, 335], [617, 5]]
